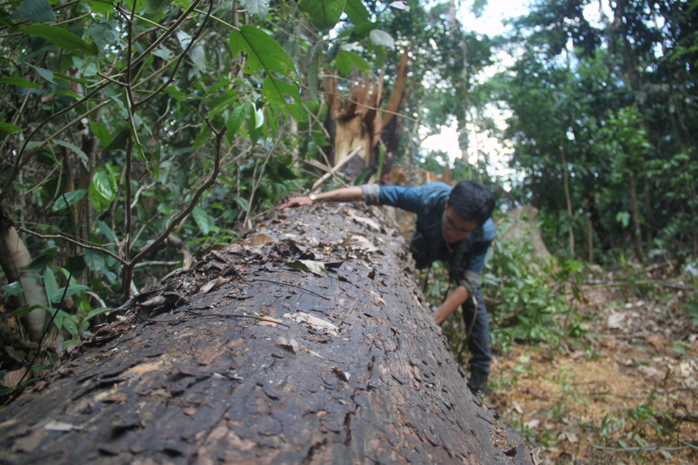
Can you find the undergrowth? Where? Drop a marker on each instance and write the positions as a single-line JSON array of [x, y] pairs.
[[525, 297]]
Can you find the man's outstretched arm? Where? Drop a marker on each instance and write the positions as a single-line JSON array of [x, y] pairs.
[[454, 300], [345, 194]]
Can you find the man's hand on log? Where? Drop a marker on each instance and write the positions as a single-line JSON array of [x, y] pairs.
[[296, 202]]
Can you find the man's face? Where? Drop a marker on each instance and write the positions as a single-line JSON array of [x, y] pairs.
[[453, 227]]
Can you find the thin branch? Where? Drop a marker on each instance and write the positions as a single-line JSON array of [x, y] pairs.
[[138, 193], [181, 58], [197, 195], [113, 81], [75, 242], [97, 298], [215, 18], [257, 181], [154, 263]]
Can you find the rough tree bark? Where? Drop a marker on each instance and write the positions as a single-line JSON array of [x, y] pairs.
[[248, 361]]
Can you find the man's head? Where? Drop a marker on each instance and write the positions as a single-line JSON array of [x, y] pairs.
[[469, 206]]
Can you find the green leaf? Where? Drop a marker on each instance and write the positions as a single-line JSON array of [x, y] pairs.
[[70, 342], [62, 38], [258, 118], [173, 92], [198, 57], [361, 32], [77, 150], [97, 311], [224, 102], [120, 141], [324, 14], [282, 94], [242, 203], [12, 289], [235, 120], [623, 218], [38, 368], [43, 260], [257, 7], [95, 260], [101, 6], [21, 311], [357, 12], [71, 291], [103, 33], [19, 82], [34, 10], [102, 133], [314, 71], [264, 52], [203, 221], [203, 136], [44, 73], [317, 268], [106, 230], [102, 191], [68, 199], [343, 63], [7, 129], [50, 283], [346, 59]]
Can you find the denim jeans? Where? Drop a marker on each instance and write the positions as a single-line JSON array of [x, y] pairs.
[[479, 342]]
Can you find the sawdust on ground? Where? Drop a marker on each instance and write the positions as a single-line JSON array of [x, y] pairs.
[[606, 397]]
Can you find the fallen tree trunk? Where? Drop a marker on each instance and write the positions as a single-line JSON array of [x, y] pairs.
[[244, 360]]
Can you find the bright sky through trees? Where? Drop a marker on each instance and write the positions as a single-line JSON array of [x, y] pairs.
[[490, 23]]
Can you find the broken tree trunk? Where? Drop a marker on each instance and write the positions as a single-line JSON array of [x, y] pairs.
[[248, 361]]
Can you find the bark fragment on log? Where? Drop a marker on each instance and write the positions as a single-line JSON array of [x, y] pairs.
[[259, 369]]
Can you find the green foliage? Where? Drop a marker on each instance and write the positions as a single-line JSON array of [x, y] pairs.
[[264, 53], [111, 116], [34, 10], [323, 14], [612, 115], [530, 295]]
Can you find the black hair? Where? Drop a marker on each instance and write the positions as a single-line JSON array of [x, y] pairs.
[[472, 201]]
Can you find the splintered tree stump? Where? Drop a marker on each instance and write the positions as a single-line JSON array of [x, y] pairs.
[[246, 360]]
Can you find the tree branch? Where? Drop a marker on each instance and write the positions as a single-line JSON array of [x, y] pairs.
[[195, 199], [75, 242]]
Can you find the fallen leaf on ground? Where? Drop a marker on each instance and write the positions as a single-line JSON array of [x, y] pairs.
[[115, 398], [259, 240], [317, 268], [366, 221], [615, 320], [289, 344], [359, 242]]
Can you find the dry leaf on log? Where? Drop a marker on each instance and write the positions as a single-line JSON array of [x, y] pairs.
[[314, 322]]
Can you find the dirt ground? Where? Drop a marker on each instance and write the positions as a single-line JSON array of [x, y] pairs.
[[624, 393]]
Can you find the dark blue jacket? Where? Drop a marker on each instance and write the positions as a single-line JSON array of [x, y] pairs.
[[466, 257]]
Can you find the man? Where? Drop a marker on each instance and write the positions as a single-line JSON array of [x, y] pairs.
[[453, 226]]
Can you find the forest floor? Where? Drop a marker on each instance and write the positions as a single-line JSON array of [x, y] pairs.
[[626, 392]]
